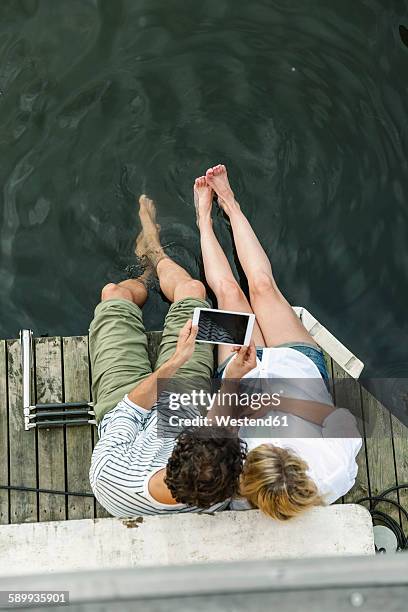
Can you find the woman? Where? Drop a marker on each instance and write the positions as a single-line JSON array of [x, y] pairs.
[[281, 476]]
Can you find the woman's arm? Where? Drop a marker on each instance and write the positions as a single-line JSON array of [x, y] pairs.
[[312, 411]]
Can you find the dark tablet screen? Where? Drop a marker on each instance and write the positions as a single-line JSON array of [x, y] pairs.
[[222, 327]]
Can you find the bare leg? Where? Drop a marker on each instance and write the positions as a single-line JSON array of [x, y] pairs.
[[175, 282], [217, 269], [277, 320], [133, 290]]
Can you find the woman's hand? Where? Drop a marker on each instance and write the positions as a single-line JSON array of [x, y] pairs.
[[244, 362], [185, 344]]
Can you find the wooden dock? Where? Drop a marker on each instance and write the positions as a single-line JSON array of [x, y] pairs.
[[58, 459]]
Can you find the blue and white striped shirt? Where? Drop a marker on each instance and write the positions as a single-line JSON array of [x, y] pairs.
[[128, 453]]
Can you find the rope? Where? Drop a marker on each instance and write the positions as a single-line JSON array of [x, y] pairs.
[[385, 519], [38, 490]]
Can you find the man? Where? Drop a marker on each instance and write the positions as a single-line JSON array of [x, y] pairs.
[[135, 471]]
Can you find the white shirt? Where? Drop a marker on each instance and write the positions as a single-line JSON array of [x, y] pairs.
[[330, 457]]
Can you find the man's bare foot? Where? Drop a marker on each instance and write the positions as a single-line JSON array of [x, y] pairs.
[[203, 195], [217, 178], [152, 248], [139, 245], [147, 266]]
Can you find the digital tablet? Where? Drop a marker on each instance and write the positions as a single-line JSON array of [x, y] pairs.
[[223, 326]]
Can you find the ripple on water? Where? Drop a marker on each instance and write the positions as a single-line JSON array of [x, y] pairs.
[[306, 106]]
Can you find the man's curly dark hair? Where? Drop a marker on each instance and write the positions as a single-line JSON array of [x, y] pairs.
[[205, 466]]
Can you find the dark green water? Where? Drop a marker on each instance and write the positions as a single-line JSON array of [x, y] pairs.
[[304, 100]]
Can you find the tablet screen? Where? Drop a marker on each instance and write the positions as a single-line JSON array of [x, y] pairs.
[[222, 327]]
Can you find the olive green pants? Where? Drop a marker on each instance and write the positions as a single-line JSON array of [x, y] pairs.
[[118, 350]]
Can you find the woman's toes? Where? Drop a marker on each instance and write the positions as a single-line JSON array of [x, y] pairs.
[[210, 173]]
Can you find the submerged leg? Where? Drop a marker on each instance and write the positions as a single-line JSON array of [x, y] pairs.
[[175, 282], [133, 289]]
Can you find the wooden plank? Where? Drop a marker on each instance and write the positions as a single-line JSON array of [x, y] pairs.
[[100, 511], [23, 446], [51, 468], [78, 439], [330, 369], [380, 452], [4, 448], [347, 395], [329, 363], [400, 437], [329, 366]]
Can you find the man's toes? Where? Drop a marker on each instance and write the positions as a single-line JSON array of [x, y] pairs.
[[146, 203]]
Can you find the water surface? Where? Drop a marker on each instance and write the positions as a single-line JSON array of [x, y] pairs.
[[305, 101]]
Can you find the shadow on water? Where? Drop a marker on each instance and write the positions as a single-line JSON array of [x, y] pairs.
[[305, 102]]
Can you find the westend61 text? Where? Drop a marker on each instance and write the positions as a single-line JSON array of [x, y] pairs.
[[228, 421]]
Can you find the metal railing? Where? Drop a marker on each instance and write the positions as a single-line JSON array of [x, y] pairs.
[[50, 414]]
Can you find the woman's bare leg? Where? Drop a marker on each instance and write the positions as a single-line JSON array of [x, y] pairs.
[[218, 272], [175, 282], [277, 320]]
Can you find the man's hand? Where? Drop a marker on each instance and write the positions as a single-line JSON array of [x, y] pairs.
[[185, 344], [145, 393], [244, 362]]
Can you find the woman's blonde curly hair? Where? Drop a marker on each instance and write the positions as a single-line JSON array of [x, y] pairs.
[[275, 480]]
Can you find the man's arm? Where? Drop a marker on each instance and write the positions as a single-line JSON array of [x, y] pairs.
[[145, 393], [126, 419]]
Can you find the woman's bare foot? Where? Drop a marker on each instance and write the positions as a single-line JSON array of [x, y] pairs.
[[203, 195], [152, 248], [217, 178]]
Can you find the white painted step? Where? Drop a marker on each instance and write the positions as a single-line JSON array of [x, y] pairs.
[[329, 343], [89, 544]]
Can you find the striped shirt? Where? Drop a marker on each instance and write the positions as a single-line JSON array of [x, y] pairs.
[[129, 452]]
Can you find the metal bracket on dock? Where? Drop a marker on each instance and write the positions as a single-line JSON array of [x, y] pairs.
[[50, 414]]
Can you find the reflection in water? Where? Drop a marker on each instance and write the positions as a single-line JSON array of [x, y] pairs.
[[306, 105]]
